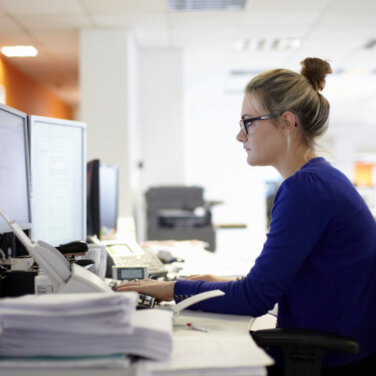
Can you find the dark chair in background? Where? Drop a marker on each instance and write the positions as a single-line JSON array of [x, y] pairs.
[[303, 350]]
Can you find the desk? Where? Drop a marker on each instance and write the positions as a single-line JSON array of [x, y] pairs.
[[226, 350], [200, 261]]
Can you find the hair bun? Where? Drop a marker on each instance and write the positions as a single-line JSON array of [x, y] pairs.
[[315, 70]]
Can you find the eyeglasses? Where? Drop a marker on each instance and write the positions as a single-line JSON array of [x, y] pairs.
[[246, 123]]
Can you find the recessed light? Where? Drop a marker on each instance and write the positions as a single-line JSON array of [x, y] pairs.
[[19, 51], [267, 44], [189, 5]]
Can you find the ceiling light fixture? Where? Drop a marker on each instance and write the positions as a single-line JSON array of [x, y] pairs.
[[267, 44], [19, 51], [189, 5]]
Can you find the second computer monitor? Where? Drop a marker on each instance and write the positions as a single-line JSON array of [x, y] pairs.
[[14, 168], [58, 179], [102, 198]]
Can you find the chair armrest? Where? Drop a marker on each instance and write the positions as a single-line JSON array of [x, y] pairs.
[[304, 338]]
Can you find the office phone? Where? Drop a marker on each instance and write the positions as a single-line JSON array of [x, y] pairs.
[[127, 260]]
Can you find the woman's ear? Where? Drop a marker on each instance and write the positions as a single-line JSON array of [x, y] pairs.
[[288, 121]]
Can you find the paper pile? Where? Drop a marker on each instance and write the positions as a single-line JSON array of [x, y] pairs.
[[90, 324]]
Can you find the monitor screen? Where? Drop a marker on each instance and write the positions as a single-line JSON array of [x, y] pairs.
[[14, 168], [58, 179], [102, 198], [108, 197]]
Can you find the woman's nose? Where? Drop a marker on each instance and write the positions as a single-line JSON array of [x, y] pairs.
[[241, 137]]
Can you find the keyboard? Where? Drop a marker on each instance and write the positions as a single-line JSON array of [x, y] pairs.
[[144, 301]]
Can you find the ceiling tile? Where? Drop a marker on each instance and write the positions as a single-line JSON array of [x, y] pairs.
[[54, 21], [42, 6], [125, 6], [135, 20], [277, 5], [152, 38], [11, 34], [7, 26], [63, 43], [328, 32], [282, 18], [205, 20], [348, 17], [353, 4]]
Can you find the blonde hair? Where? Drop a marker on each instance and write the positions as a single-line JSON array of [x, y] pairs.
[[281, 90]]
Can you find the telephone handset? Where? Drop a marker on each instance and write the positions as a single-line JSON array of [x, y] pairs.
[[66, 278], [127, 260]]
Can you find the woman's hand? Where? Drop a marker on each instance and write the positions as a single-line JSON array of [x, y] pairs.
[[208, 278], [160, 290]]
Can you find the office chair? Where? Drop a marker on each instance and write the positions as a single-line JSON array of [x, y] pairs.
[[303, 350]]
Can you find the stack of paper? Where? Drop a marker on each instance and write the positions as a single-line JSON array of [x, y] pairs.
[[63, 362], [152, 335], [83, 325]]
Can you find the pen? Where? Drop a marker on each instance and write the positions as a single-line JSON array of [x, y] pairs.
[[197, 327]]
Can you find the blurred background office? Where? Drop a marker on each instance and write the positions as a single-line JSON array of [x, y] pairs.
[[159, 84]]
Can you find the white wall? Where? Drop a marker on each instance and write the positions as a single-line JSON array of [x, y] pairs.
[[161, 117], [352, 125], [161, 125], [108, 91]]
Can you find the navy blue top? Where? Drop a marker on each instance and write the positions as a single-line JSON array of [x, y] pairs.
[[318, 262]]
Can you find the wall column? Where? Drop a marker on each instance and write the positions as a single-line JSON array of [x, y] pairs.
[[108, 61]]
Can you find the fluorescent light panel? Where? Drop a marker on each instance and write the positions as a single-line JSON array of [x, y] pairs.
[[177, 5], [265, 44], [19, 51]]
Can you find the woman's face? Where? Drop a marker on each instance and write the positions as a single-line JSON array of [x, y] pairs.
[[265, 142]]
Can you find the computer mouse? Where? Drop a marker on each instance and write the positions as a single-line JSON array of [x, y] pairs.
[[165, 256], [73, 247]]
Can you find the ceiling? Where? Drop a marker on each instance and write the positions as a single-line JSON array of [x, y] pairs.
[[337, 30]]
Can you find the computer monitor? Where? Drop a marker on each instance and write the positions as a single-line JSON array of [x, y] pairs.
[[93, 220], [58, 179], [108, 197], [14, 168], [102, 198]]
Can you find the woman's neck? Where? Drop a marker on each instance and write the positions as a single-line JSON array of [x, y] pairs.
[[294, 161]]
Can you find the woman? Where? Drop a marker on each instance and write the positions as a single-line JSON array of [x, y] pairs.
[[319, 260]]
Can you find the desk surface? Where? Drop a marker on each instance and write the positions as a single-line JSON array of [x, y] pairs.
[[226, 349], [200, 261]]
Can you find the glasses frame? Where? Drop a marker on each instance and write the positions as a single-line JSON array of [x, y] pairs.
[[245, 123]]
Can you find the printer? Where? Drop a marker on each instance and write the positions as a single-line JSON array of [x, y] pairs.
[[179, 213]]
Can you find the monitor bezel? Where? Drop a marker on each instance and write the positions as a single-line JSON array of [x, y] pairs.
[[32, 119], [25, 226]]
